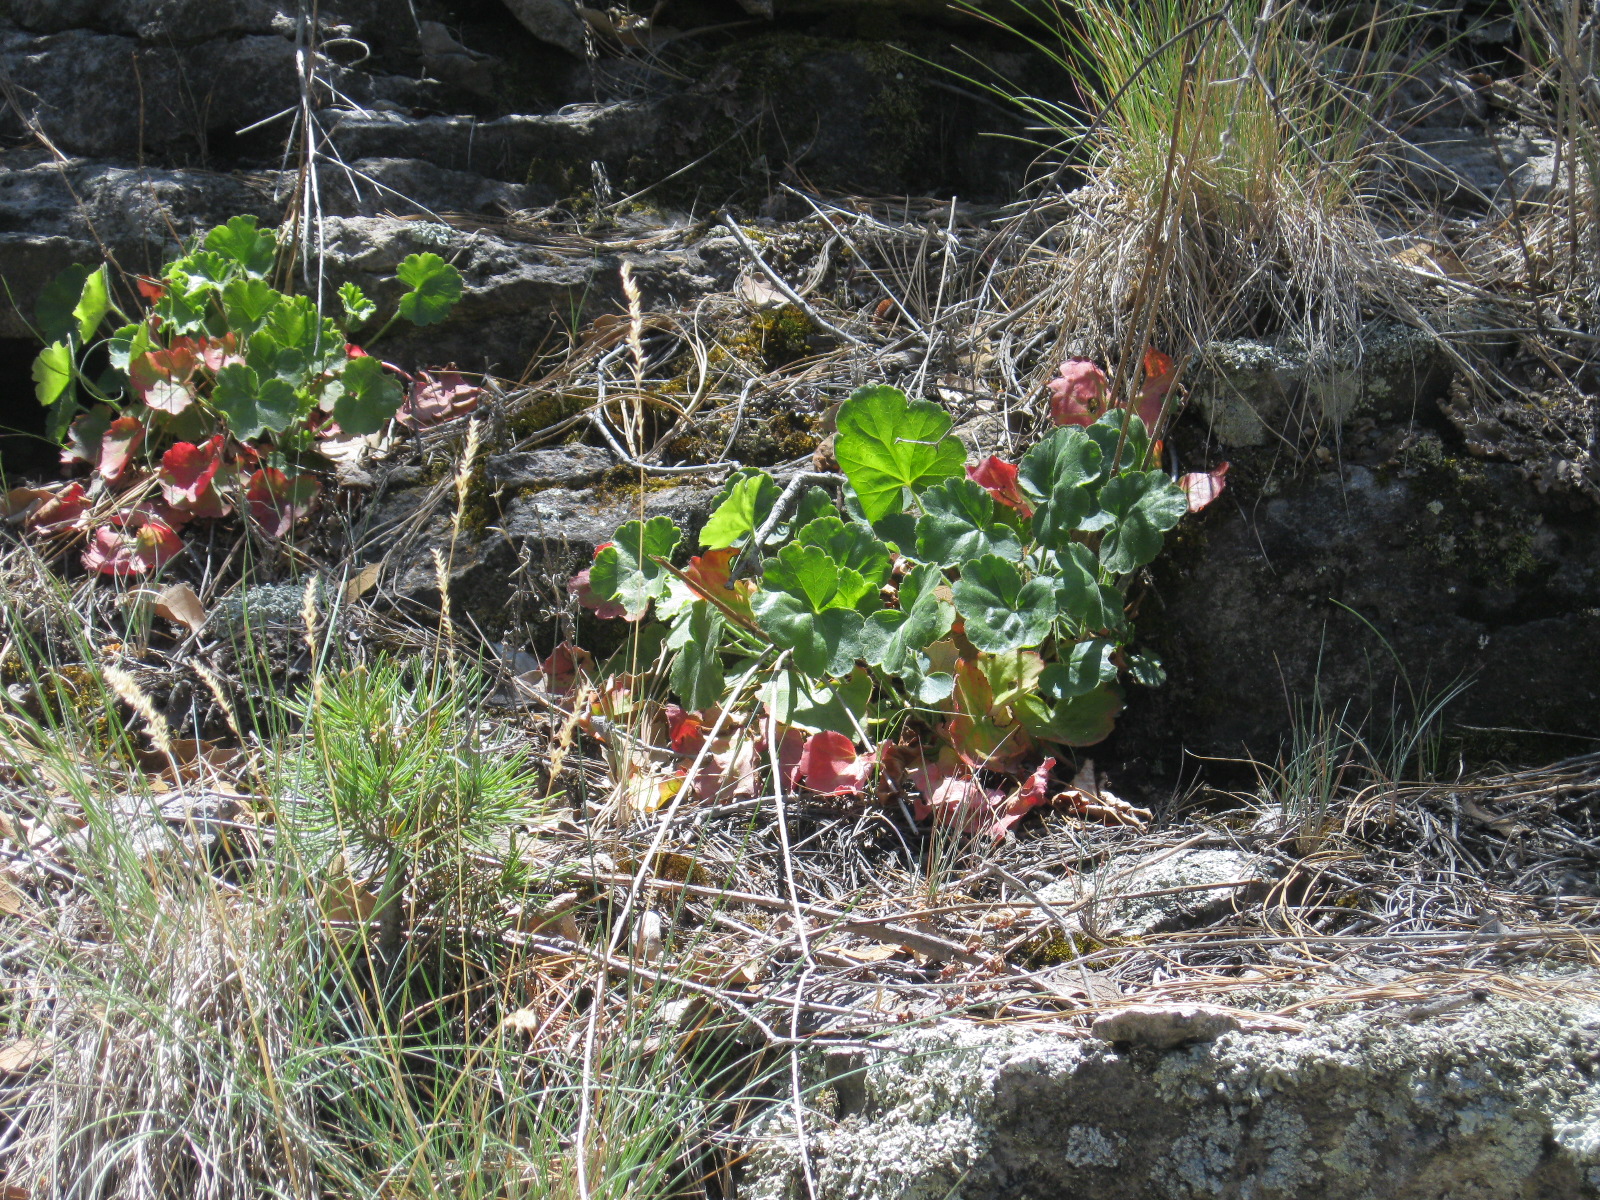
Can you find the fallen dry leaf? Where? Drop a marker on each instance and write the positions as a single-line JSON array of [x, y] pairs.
[[362, 582], [179, 604], [24, 1054]]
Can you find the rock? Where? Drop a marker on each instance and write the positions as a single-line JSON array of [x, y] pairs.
[[1479, 166], [104, 95], [1408, 569], [513, 147], [1250, 392], [1192, 875], [1498, 1103], [553, 21], [511, 575], [565, 465], [1163, 1026]]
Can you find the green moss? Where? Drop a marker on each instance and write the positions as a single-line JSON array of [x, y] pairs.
[[540, 412], [775, 337], [1469, 528]]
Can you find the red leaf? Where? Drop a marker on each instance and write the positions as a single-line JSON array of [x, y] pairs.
[[961, 801], [684, 730], [151, 290], [217, 353], [562, 670], [278, 503], [60, 511], [581, 591], [729, 770], [85, 435], [1078, 394], [161, 377], [710, 575], [117, 447], [187, 470], [1035, 790], [830, 765], [1000, 479], [1204, 486], [1160, 372], [351, 350], [435, 400], [137, 545], [791, 745]]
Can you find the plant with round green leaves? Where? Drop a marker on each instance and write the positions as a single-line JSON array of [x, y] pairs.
[[217, 389], [982, 604]]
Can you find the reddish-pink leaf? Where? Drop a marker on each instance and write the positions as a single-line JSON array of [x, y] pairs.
[[433, 400], [150, 289], [583, 592], [830, 765], [685, 730], [162, 377], [999, 478], [1078, 393], [135, 545], [1035, 790], [1204, 486], [351, 350], [217, 353], [60, 511], [85, 435], [118, 445], [791, 745], [962, 802], [278, 503], [565, 666], [728, 770], [187, 470], [1160, 372]]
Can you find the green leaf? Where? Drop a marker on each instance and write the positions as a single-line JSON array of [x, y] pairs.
[[180, 310], [892, 636], [1088, 666], [358, 309], [814, 502], [52, 373], [745, 502], [93, 304], [851, 545], [435, 288], [626, 572], [810, 575], [1082, 600], [1080, 721], [815, 706], [295, 324], [1146, 669], [368, 396], [202, 272], [958, 523], [820, 643], [1001, 611], [56, 308], [886, 444], [239, 240], [697, 674], [1142, 506], [247, 302], [128, 343], [1107, 434], [1057, 476], [253, 406]]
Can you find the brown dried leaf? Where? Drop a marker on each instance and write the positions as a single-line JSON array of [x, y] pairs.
[[24, 1054], [178, 604]]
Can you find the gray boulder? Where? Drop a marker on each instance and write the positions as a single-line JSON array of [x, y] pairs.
[[1494, 1102]]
